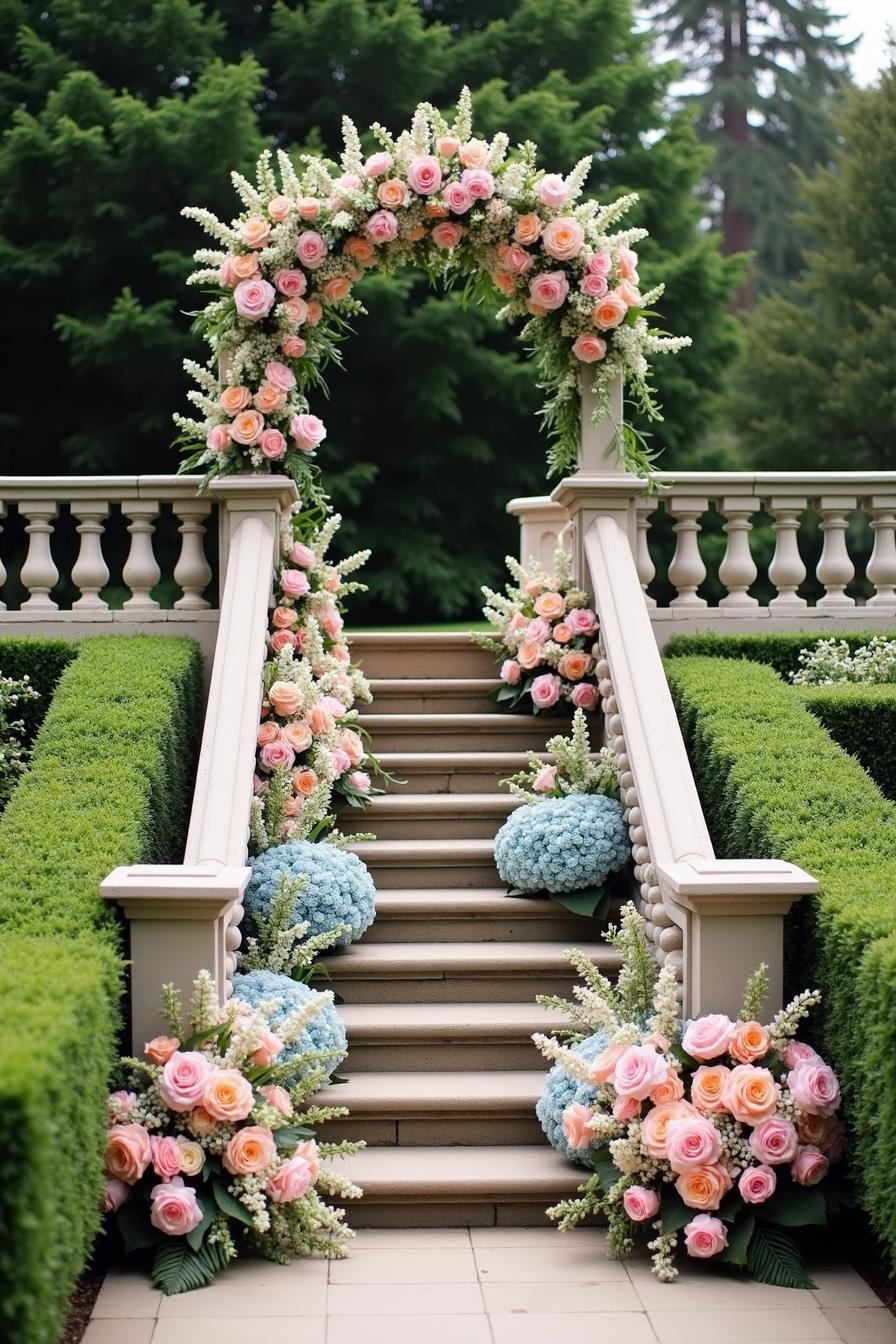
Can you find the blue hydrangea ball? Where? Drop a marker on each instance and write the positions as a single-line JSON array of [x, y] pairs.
[[563, 844], [560, 1091], [338, 890], [325, 1031]]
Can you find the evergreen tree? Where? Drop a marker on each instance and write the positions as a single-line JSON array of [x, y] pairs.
[[817, 388], [770, 71], [122, 112]]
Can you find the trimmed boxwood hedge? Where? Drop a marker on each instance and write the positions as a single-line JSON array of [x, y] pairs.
[[109, 784], [780, 651], [774, 784], [44, 661]]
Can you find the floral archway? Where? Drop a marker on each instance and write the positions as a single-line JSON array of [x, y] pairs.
[[451, 204]]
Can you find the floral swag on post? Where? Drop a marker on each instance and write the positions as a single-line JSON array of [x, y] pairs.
[[451, 204]]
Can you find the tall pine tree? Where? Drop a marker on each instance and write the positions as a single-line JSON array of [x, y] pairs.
[[125, 111]]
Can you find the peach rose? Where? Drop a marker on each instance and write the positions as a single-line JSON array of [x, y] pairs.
[[283, 639], [515, 259], [234, 399], [562, 633], [392, 193], [602, 1067], [246, 267], [285, 698], [128, 1153], [575, 1126], [175, 1210], [528, 655], [296, 311], [505, 282], [255, 231], [757, 1184], [708, 1086], [774, 1140], [692, 1142], [629, 293], [278, 208], [549, 290], [609, 311], [278, 1097], [527, 230], [705, 1236], [708, 1037], [298, 735], [751, 1094], [304, 782], [321, 721], [247, 428], [750, 1042], [589, 348], [308, 207], [627, 263], [228, 1095], [809, 1166], [563, 238], [183, 1080], [447, 234], [336, 288], [267, 733], [639, 1069], [201, 1122], [474, 154], [447, 146], [160, 1049], [655, 1125], [192, 1156], [290, 1182], [315, 313], [267, 1050], [250, 1150], [703, 1187], [269, 399], [574, 665], [352, 745], [550, 605], [671, 1090], [359, 249], [640, 1203], [165, 1157]]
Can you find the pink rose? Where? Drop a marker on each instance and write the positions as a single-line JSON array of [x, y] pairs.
[[296, 311], [602, 1067], [639, 1069], [279, 376], [692, 1142], [334, 707], [378, 165], [425, 174], [183, 1080], [479, 183], [562, 238], [582, 621], [539, 629], [626, 1108], [307, 431], [457, 198], [474, 154], [311, 249], [815, 1087], [575, 1126], [640, 1203], [121, 1103], [382, 227], [165, 1157], [549, 290], [290, 1182], [278, 1097], [360, 780], [584, 696], [629, 293], [272, 444], [351, 743], [341, 761], [218, 438], [308, 207], [307, 1149], [293, 347], [708, 1037], [175, 1208], [798, 1053], [595, 286], [160, 1049], [600, 264], [546, 779], [510, 671], [255, 231], [274, 755], [283, 639], [609, 311], [294, 582], [250, 1151], [545, 690], [228, 275], [128, 1152], [589, 348], [114, 1195], [279, 208], [705, 1236], [757, 1184], [302, 555], [254, 299], [552, 190], [267, 1049], [774, 1140], [292, 284], [516, 259], [447, 146], [447, 234], [627, 263], [809, 1166]]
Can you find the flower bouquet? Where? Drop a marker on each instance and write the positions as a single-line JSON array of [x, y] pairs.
[[543, 638], [211, 1145], [715, 1134]]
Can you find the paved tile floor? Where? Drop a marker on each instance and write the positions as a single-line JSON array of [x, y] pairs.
[[486, 1286]]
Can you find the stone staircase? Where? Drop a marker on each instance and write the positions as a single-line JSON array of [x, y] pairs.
[[438, 998]]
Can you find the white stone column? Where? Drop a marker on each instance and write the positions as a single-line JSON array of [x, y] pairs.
[[687, 570], [541, 523], [786, 570], [141, 572], [882, 565], [39, 573], [644, 507], [738, 568], [90, 573], [835, 569], [192, 571]]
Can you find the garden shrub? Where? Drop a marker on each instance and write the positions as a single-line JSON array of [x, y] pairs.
[[780, 651], [43, 661], [109, 784], [774, 784]]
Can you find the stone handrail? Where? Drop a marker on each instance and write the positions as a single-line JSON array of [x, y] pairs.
[[184, 917]]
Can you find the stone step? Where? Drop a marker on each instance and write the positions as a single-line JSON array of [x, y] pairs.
[[404, 1037], [451, 972], [459, 772], [439, 816], [472, 915], [485, 1186], [431, 695], [456, 1107], [459, 732], [430, 863], [412, 654]]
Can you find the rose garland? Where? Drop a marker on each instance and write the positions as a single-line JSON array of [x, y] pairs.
[[450, 203]]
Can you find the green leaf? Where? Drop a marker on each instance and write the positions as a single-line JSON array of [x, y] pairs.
[[227, 1204], [730, 1206], [606, 1172], [796, 1206], [772, 1257], [199, 1037], [178, 1268], [289, 1135], [674, 1213], [593, 902], [739, 1236], [134, 1225], [195, 1238]]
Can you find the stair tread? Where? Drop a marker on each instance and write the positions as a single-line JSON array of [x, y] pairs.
[[447, 1021], [431, 685], [519, 1172], [431, 956], [433, 851], [440, 804], [434, 723], [413, 639], [514, 1091], [477, 901]]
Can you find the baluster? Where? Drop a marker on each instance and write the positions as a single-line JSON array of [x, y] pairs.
[[687, 570], [882, 565], [141, 573], [835, 569], [90, 572], [643, 559], [192, 571], [738, 568], [786, 570], [39, 573], [2, 566]]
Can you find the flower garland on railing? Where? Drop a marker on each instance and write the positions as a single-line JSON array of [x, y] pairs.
[[437, 197]]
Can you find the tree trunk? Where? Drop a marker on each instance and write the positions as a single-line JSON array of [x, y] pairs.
[[737, 225]]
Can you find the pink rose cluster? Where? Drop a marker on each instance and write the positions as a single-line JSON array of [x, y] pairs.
[[547, 648]]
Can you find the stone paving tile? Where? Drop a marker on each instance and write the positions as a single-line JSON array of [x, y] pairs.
[[240, 1330], [702, 1291], [575, 1263], [608, 1327], [118, 1330], [410, 1330], [127, 1294], [863, 1325], [256, 1289], [538, 1236], [841, 1287], [402, 1266], [414, 1299], [559, 1298], [419, 1238], [725, 1326]]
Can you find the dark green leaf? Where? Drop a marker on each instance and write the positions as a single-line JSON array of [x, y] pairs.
[[730, 1206], [796, 1206], [227, 1204], [134, 1225], [674, 1213], [178, 1268], [739, 1235], [606, 1172], [196, 1237], [593, 902], [772, 1257], [289, 1135]]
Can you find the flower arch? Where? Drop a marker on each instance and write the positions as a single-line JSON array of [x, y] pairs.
[[452, 204]]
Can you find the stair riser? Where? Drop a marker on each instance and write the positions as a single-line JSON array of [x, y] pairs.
[[405, 660], [421, 827], [460, 780], [438, 1130], [395, 877], [432, 929], [414, 702], [439, 1056], [458, 989], [530, 736], [369, 1212]]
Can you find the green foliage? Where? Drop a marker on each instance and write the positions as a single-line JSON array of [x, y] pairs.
[[125, 112], [772, 1257], [802, 394], [178, 1267], [774, 784], [41, 660], [108, 785], [780, 651]]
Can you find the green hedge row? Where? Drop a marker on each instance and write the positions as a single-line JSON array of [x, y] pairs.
[[780, 651], [43, 661], [774, 784], [109, 784]]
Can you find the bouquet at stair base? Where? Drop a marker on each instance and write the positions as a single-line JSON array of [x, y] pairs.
[[712, 1134], [310, 744], [543, 638], [211, 1144]]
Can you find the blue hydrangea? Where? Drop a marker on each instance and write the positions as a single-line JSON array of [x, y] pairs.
[[339, 889], [325, 1031], [560, 1091], [563, 844]]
